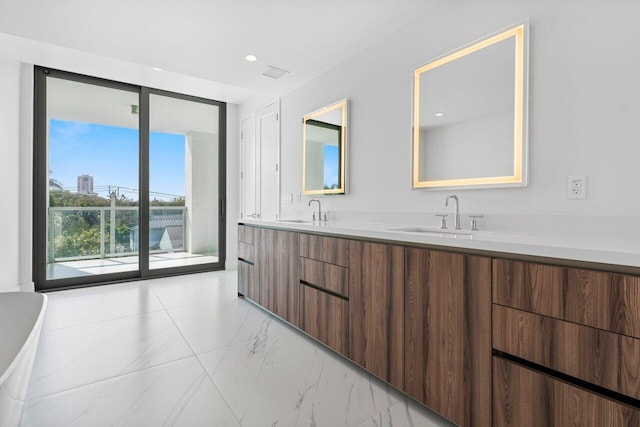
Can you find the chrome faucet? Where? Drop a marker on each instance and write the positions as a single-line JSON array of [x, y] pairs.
[[319, 210], [446, 203]]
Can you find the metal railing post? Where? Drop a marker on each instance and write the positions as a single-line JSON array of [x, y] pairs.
[[102, 212], [51, 254], [184, 228], [112, 226]]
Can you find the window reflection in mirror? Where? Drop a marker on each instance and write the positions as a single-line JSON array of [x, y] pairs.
[[469, 115], [324, 145]]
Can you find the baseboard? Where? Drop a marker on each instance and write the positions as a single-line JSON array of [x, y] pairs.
[[26, 287]]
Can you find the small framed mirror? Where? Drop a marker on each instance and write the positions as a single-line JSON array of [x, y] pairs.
[[324, 143], [469, 115]]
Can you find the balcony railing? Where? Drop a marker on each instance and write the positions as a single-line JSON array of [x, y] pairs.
[[83, 233]]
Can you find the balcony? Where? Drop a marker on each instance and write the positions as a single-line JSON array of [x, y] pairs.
[[84, 241]]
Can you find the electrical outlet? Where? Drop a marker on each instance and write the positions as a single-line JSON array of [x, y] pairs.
[[577, 187]]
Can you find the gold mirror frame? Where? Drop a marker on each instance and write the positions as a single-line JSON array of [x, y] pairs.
[[519, 177], [342, 106]]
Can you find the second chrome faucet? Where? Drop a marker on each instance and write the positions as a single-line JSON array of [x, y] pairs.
[[319, 211], [446, 203]]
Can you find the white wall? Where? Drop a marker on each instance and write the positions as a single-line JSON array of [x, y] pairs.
[[201, 193], [16, 126], [584, 67], [233, 185], [9, 173]]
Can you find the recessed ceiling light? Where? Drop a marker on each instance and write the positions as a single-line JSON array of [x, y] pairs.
[[156, 68], [439, 114], [251, 58]]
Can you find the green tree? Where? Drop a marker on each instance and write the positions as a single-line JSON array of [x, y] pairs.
[[72, 244]]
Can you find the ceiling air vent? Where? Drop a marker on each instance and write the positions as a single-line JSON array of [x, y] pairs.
[[274, 72]]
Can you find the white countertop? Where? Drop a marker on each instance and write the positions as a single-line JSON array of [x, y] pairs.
[[597, 248]]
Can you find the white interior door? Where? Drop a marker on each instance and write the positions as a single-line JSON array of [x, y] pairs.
[[260, 164], [268, 139]]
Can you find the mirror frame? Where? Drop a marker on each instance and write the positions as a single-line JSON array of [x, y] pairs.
[[343, 105], [520, 167]]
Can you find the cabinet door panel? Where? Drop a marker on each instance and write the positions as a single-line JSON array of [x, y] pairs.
[[527, 398], [325, 317], [247, 283], [376, 309], [448, 334], [246, 280], [277, 261]]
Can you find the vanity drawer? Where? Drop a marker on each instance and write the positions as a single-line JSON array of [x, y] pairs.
[[523, 397], [326, 249], [331, 277], [602, 300], [593, 355], [247, 284], [246, 252], [325, 317], [246, 234]]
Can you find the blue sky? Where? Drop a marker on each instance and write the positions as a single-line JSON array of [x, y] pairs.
[[331, 160], [110, 155]]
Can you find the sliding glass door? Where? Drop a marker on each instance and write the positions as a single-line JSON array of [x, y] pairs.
[[128, 181], [184, 187]]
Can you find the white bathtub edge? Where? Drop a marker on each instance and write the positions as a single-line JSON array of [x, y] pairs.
[[15, 380]]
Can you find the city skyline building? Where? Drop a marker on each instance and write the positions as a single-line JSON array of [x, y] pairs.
[[85, 185]]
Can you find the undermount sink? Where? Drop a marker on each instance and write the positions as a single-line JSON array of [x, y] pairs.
[[436, 232]]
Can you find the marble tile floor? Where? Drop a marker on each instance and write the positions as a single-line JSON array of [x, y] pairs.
[[187, 351]]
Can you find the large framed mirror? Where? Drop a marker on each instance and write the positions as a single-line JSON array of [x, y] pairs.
[[324, 142], [470, 115]]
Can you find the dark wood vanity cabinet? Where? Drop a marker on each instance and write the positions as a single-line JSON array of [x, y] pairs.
[[247, 282], [324, 290], [376, 309], [448, 334], [482, 341], [524, 397], [599, 357], [603, 300], [325, 317], [268, 270], [277, 261], [580, 331], [419, 319]]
